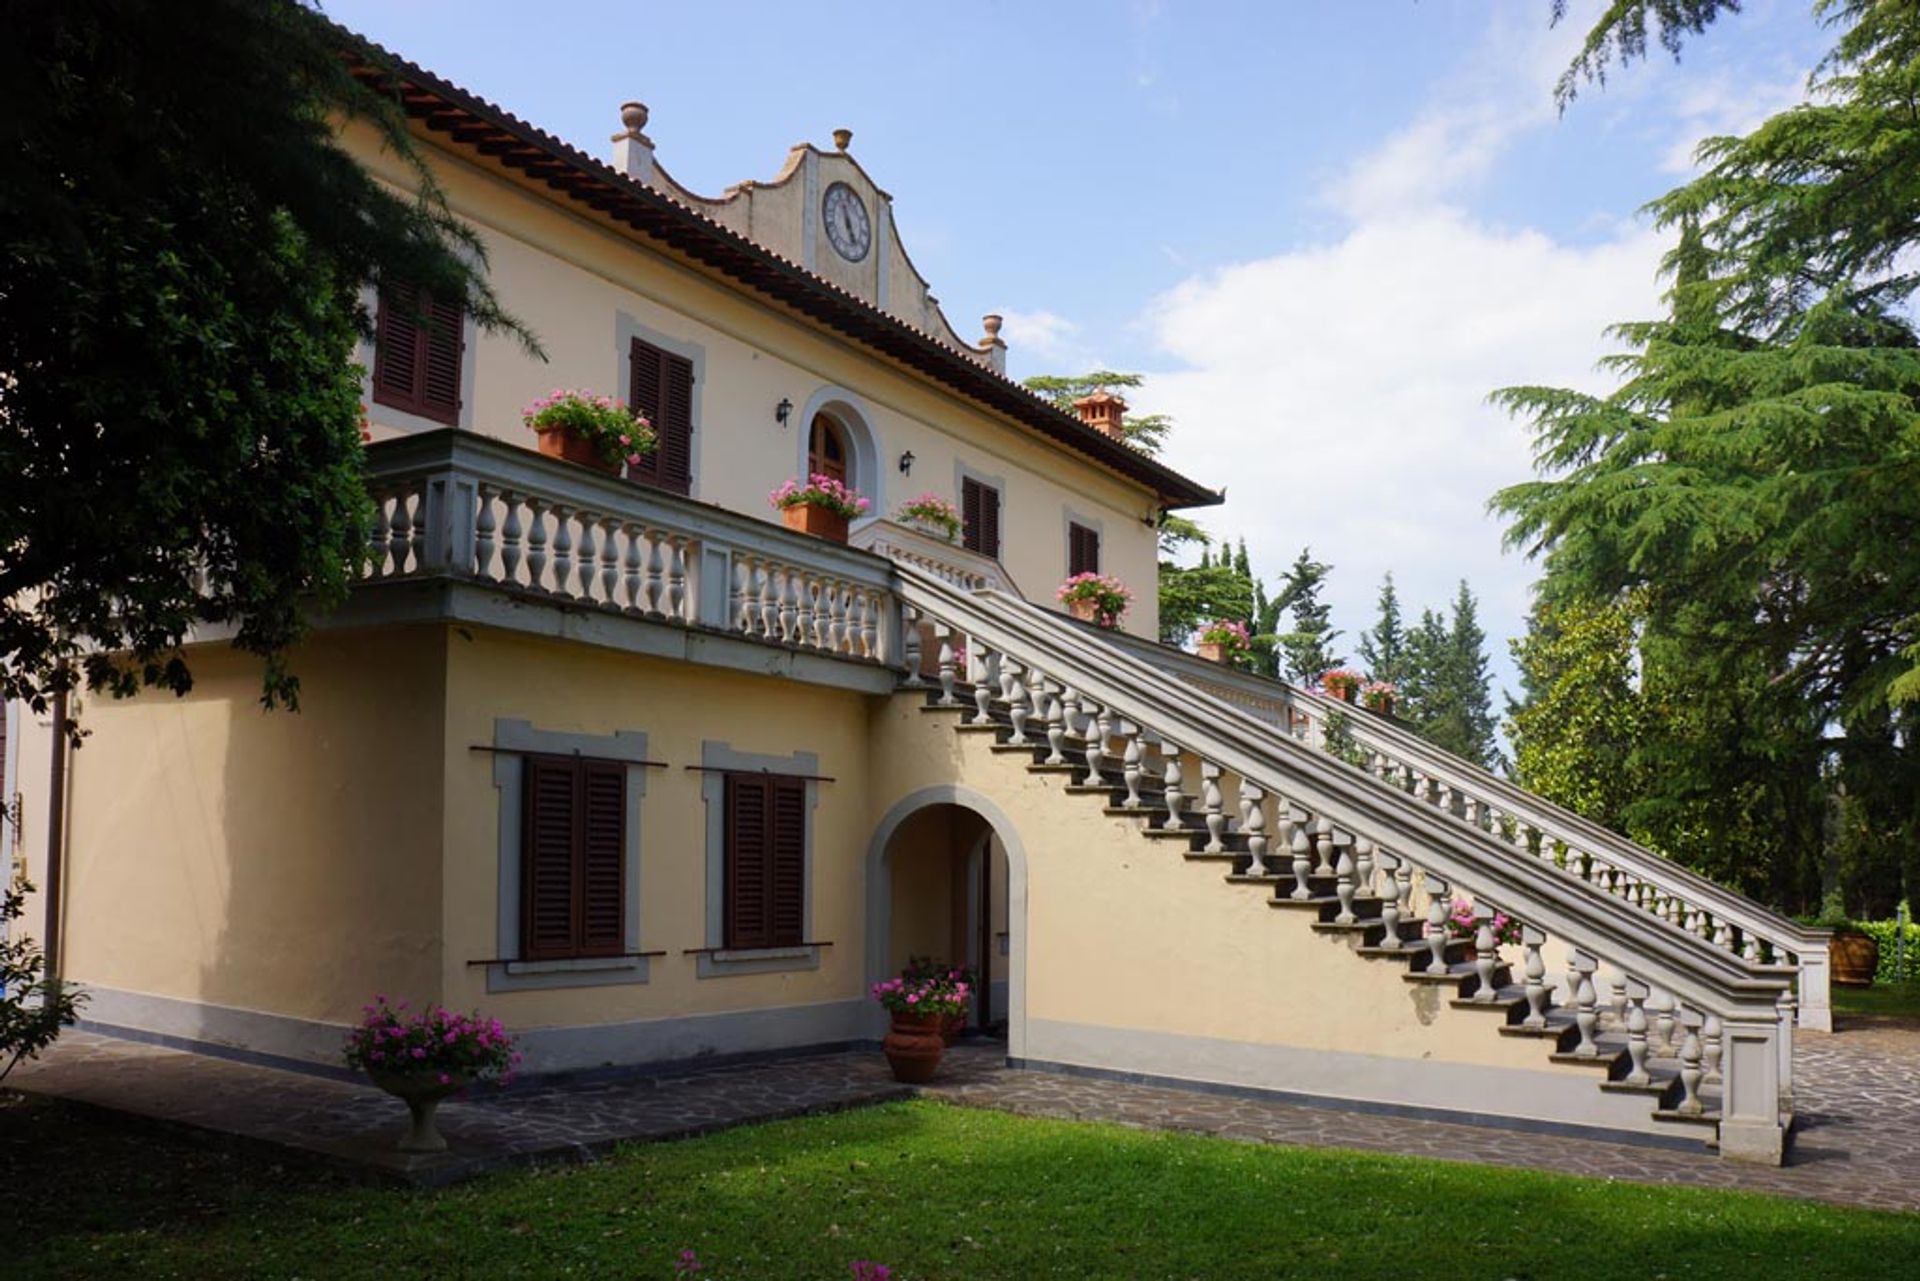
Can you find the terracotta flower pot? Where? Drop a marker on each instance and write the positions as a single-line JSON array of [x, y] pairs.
[[914, 1047], [558, 442], [423, 1093], [1085, 610], [1383, 708], [952, 1026], [810, 518], [1856, 958], [1211, 652]]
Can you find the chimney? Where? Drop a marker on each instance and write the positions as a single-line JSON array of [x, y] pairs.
[[1102, 411], [633, 150]]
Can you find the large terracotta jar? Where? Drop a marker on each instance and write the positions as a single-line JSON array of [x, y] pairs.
[[558, 442], [821, 522], [914, 1047], [1856, 957]]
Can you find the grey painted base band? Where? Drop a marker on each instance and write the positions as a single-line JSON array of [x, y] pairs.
[[1363, 1107], [642, 1046], [1552, 1100]]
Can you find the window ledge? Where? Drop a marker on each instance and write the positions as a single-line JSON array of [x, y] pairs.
[[574, 965], [757, 960]]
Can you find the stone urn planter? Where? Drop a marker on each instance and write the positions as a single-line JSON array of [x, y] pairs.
[[914, 1046], [811, 518], [1856, 958], [422, 1092], [558, 442]]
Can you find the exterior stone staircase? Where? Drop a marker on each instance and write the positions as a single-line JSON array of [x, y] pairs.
[[1645, 1006]]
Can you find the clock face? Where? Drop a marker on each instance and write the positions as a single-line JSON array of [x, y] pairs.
[[848, 230]]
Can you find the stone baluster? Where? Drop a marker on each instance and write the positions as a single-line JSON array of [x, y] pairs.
[[787, 595], [1323, 846], [1403, 887], [1723, 934], [984, 686], [1711, 1045], [1302, 867], [1170, 780], [910, 645], [1390, 914], [1750, 948], [1018, 706], [1253, 823], [399, 533], [870, 625], [1535, 971], [1636, 1024], [536, 545], [1213, 807], [1690, 1063], [1131, 760], [1099, 734], [587, 562], [512, 538], [484, 529], [1363, 865], [812, 597], [1344, 885], [1586, 1014], [1071, 712], [1438, 909], [753, 620], [677, 577], [1057, 725], [631, 565], [562, 550], [1617, 1007], [1486, 955], [1662, 1006], [419, 528], [949, 670]]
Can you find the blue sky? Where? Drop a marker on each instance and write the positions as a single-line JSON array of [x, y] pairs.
[[1323, 230]]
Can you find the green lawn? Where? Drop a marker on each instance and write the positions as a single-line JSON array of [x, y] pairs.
[[933, 1190], [1889, 1000]]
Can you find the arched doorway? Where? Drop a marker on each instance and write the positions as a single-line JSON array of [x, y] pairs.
[[827, 451], [948, 882]]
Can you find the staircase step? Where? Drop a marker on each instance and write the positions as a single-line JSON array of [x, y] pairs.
[[1703, 1117], [1608, 1058], [1241, 878], [1210, 856]]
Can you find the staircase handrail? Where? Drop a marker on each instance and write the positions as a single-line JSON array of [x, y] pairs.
[[1585, 916]]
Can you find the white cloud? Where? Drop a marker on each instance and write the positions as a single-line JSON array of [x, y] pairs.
[[1044, 342], [1721, 105], [1341, 391]]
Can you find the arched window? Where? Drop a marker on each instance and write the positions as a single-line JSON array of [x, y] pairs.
[[827, 453]]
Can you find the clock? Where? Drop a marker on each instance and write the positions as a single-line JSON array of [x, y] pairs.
[[848, 230]]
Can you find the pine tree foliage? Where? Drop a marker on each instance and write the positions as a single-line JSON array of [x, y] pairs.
[[1384, 649], [1754, 481], [1305, 651], [180, 281], [1622, 30], [1446, 694]]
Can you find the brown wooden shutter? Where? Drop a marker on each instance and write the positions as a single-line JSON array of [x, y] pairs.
[[549, 924], [1083, 550], [788, 847], [748, 862], [603, 857], [418, 345], [662, 389], [396, 348], [980, 517]]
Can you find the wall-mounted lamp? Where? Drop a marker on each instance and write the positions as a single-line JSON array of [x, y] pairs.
[[906, 463], [783, 411]]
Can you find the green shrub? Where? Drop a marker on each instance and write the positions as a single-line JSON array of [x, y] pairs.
[[1885, 934]]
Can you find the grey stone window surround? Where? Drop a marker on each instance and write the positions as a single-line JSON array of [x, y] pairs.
[[1068, 519], [515, 738], [716, 758], [626, 328], [963, 473]]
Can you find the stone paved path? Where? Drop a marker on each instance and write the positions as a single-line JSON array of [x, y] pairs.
[[1858, 1141]]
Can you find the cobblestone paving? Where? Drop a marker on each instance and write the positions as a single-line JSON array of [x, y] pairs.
[[1858, 1140]]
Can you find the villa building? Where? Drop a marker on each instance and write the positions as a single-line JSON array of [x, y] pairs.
[[624, 762]]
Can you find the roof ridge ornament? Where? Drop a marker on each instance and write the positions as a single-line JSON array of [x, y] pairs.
[[632, 149], [842, 139]]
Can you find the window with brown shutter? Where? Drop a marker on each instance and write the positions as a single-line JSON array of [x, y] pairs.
[[418, 345], [1083, 549], [766, 861], [573, 868], [979, 517], [662, 389]]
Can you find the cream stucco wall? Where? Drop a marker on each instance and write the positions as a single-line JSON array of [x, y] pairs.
[[584, 290], [267, 861]]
